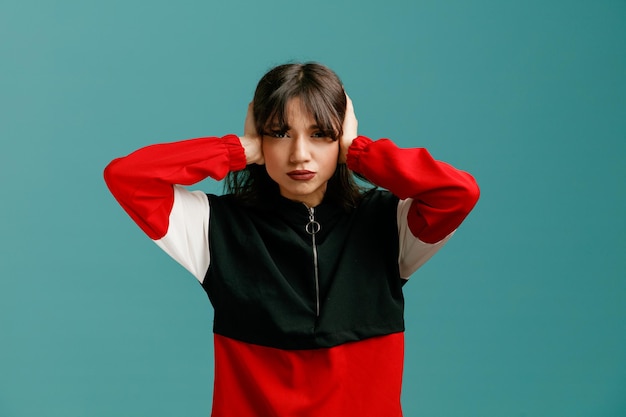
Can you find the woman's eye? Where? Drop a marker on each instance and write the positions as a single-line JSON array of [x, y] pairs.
[[319, 135], [278, 134]]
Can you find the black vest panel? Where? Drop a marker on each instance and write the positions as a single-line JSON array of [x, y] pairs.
[[261, 279]]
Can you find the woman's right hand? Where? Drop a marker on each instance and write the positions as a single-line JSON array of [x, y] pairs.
[[251, 141]]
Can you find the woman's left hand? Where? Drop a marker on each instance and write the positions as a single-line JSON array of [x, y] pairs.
[[251, 141], [350, 125]]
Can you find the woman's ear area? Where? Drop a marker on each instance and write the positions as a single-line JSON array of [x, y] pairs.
[[251, 139], [350, 129]]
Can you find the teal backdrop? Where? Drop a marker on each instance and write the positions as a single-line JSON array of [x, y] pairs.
[[523, 314]]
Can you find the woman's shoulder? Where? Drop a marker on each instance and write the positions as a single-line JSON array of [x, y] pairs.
[[378, 196], [377, 207], [227, 202]]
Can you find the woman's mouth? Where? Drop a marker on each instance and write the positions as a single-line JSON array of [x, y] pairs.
[[301, 175]]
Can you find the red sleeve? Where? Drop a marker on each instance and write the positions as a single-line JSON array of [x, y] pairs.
[[442, 195], [142, 182]]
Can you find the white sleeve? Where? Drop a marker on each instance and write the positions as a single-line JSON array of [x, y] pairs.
[[413, 252], [187, 237]]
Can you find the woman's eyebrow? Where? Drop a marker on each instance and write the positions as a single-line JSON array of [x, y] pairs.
[[277, 126], [285, 127]]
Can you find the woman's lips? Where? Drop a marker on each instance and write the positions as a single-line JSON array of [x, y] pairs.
[[301, 175]]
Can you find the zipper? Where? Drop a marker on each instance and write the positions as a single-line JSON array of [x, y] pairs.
[[312, 227]]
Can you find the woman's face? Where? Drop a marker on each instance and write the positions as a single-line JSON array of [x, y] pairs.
[[299, 157]]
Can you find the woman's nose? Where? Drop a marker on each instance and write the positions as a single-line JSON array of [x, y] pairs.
[[299, 150]]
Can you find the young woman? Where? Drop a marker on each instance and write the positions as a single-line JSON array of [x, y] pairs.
[[303, 267]]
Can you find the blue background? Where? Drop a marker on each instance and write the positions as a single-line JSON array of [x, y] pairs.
[[522, 314]]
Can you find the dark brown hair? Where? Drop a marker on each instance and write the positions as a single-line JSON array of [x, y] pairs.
[[321, 94]]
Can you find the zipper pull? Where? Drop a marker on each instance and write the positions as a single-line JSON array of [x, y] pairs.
[[312, 227]]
